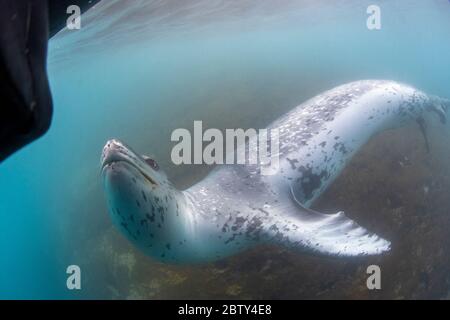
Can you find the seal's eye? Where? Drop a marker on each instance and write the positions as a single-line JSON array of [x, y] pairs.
[[152, 163]]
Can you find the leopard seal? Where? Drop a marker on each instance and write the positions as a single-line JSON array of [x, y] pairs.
[[235, 207]]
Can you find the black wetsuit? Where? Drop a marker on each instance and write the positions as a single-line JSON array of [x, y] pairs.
[[25, 99]]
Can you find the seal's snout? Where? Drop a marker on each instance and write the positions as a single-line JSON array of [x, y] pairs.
[[113, 150], [114, 144]]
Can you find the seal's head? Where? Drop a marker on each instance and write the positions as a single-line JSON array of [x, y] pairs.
[[142, 202], [118, 159]]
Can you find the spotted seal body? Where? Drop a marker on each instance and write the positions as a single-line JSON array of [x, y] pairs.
[[235, 207]]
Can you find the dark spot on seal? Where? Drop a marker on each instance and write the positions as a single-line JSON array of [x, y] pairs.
[[125, 226], [309, 183], [119, 213], [339, 146], [254, 229], [224, 228], [239, 222], [151, 218], [273, 227], [231, 239], [292, 162]]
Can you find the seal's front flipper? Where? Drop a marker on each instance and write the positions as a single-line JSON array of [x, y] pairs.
[[334, 234], [440, 106], [423, 130]]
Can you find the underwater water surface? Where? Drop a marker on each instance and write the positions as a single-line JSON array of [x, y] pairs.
[[137, 70]]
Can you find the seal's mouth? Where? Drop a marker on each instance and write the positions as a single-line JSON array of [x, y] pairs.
[[116, 152]]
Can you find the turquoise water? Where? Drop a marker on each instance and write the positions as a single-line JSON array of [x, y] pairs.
[[137, 72]]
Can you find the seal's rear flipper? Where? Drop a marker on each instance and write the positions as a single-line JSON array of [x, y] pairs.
[[334, 234]]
